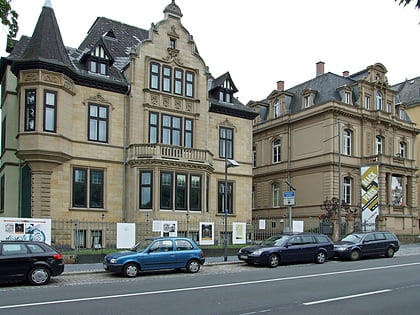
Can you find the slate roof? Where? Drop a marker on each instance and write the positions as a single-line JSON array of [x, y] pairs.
[[408, 92]]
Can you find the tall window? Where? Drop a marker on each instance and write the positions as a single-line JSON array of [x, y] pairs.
[[253, 197], [30, 110], [254, 156], [347, 143], [178, 81], [226, 142], [50, 111], [98, 123], [276, 151], [154, 76], [3, 136], [2, 193], [188, 134], [403, 149], [276, 109], [181, 192], [171, 130], [189, 84], [153, 127], [347, 97], [378, 100], [379, 145], [221, 197], [166, 183], [88, 188], [347, 190], [307, 101], [146, 190], [276, 195], [166, 79], [195, 192], [367, 102]]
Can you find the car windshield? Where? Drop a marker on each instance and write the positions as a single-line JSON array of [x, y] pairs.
[[276, 240], [352, 238], [142, 245]]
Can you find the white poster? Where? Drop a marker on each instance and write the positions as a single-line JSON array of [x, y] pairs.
[[297, 226], [261, 224], [126, 235], [206, 236], [25, 229], [239, 233]]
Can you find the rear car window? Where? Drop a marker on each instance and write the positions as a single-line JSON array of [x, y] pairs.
[[35, 248], [390, 236], [183, 245], [322, 239], [307, 239]]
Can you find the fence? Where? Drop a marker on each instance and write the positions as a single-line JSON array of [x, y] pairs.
[[78, 235]]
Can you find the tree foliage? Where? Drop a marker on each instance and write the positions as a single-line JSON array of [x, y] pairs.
[[405, 2], [9, 18]]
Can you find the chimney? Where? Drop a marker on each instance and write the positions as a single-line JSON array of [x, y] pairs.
[[280, 85], [346, 73], [320, 68]]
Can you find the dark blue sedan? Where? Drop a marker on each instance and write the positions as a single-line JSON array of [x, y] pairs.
[[284, 248], [156, 254]]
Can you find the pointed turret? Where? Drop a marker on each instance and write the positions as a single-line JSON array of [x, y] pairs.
[[45, 48]]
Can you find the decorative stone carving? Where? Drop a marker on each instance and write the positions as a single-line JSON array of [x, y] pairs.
[[30, 77], [154, 99], [178, 104], [189, 107], [52, 78]]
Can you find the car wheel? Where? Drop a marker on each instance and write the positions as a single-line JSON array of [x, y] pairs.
[[131, 270], [354, 254], [39, 275], [273, 260], [193, 266], [390, 252], [320, 257]]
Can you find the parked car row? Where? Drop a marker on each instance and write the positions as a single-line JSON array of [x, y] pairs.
[[37, 262]]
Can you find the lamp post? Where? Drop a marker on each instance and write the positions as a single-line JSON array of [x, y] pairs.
[[228, 163]]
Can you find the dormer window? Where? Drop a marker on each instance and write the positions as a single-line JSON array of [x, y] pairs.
[[307, 101], [276, 107], [225, 96], [98, 61], [347, 97]]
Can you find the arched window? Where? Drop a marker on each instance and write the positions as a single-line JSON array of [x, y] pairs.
[[378, 100]]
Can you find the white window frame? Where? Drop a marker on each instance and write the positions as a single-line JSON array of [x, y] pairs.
[[379, 145], [347, 189], [276, 151], [347, 141], [276, 195]]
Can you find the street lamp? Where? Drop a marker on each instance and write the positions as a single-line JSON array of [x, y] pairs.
[[228, 163]]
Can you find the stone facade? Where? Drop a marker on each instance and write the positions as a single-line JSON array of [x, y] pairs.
[[80, 170], [318, 135]]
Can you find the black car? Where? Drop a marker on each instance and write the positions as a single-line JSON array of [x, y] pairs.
[[356, 245], [35, 262], [284, 248]]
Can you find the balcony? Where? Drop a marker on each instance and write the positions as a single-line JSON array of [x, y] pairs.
[[138, 152], [389, 160]]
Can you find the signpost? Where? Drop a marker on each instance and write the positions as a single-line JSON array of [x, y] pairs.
[[289, 198]]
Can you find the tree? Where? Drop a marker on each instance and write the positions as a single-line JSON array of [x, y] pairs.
[[9, 18], [407, 2]]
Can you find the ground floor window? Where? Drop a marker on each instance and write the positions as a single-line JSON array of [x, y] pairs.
[[88, 188], [222, 196]]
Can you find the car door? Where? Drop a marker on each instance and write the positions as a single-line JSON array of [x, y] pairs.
[[381, 244], [292, 250], [160, 255], [309, 247], [184, 251], [368, 245], [14, 261]]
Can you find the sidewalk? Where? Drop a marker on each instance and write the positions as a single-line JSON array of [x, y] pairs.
[[91, 268], [405, 250]]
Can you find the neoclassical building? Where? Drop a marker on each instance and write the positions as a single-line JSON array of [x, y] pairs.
[[130, 125], [337, 137]]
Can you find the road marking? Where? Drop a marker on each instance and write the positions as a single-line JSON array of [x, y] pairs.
[[117, 296], [347, 297]]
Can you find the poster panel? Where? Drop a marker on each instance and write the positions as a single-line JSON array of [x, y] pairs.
[[369, 193], [126, 235], [169, 228], [239, 233], [206, 236], [261, 224], [297, 226], [31, 229]]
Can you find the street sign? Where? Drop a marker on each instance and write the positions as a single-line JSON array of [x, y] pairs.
[[288, 198]]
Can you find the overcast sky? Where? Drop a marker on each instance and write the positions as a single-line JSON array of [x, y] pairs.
[[262, 42]]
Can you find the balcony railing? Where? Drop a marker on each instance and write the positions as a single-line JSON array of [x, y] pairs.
[[162, 151], [389, 160]]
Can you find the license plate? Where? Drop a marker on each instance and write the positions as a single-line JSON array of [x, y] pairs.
[[244, 257]]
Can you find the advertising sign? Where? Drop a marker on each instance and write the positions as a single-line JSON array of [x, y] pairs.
[[126, 235], [206, 233], [369, 193], [239, 233], [30, 229]]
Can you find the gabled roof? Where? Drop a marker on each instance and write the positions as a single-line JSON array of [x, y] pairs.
[[219, 82]]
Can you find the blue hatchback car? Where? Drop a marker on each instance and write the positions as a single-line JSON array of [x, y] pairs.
[[155, 254]]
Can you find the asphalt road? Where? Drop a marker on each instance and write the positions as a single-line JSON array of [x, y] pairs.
[[369, 286]]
